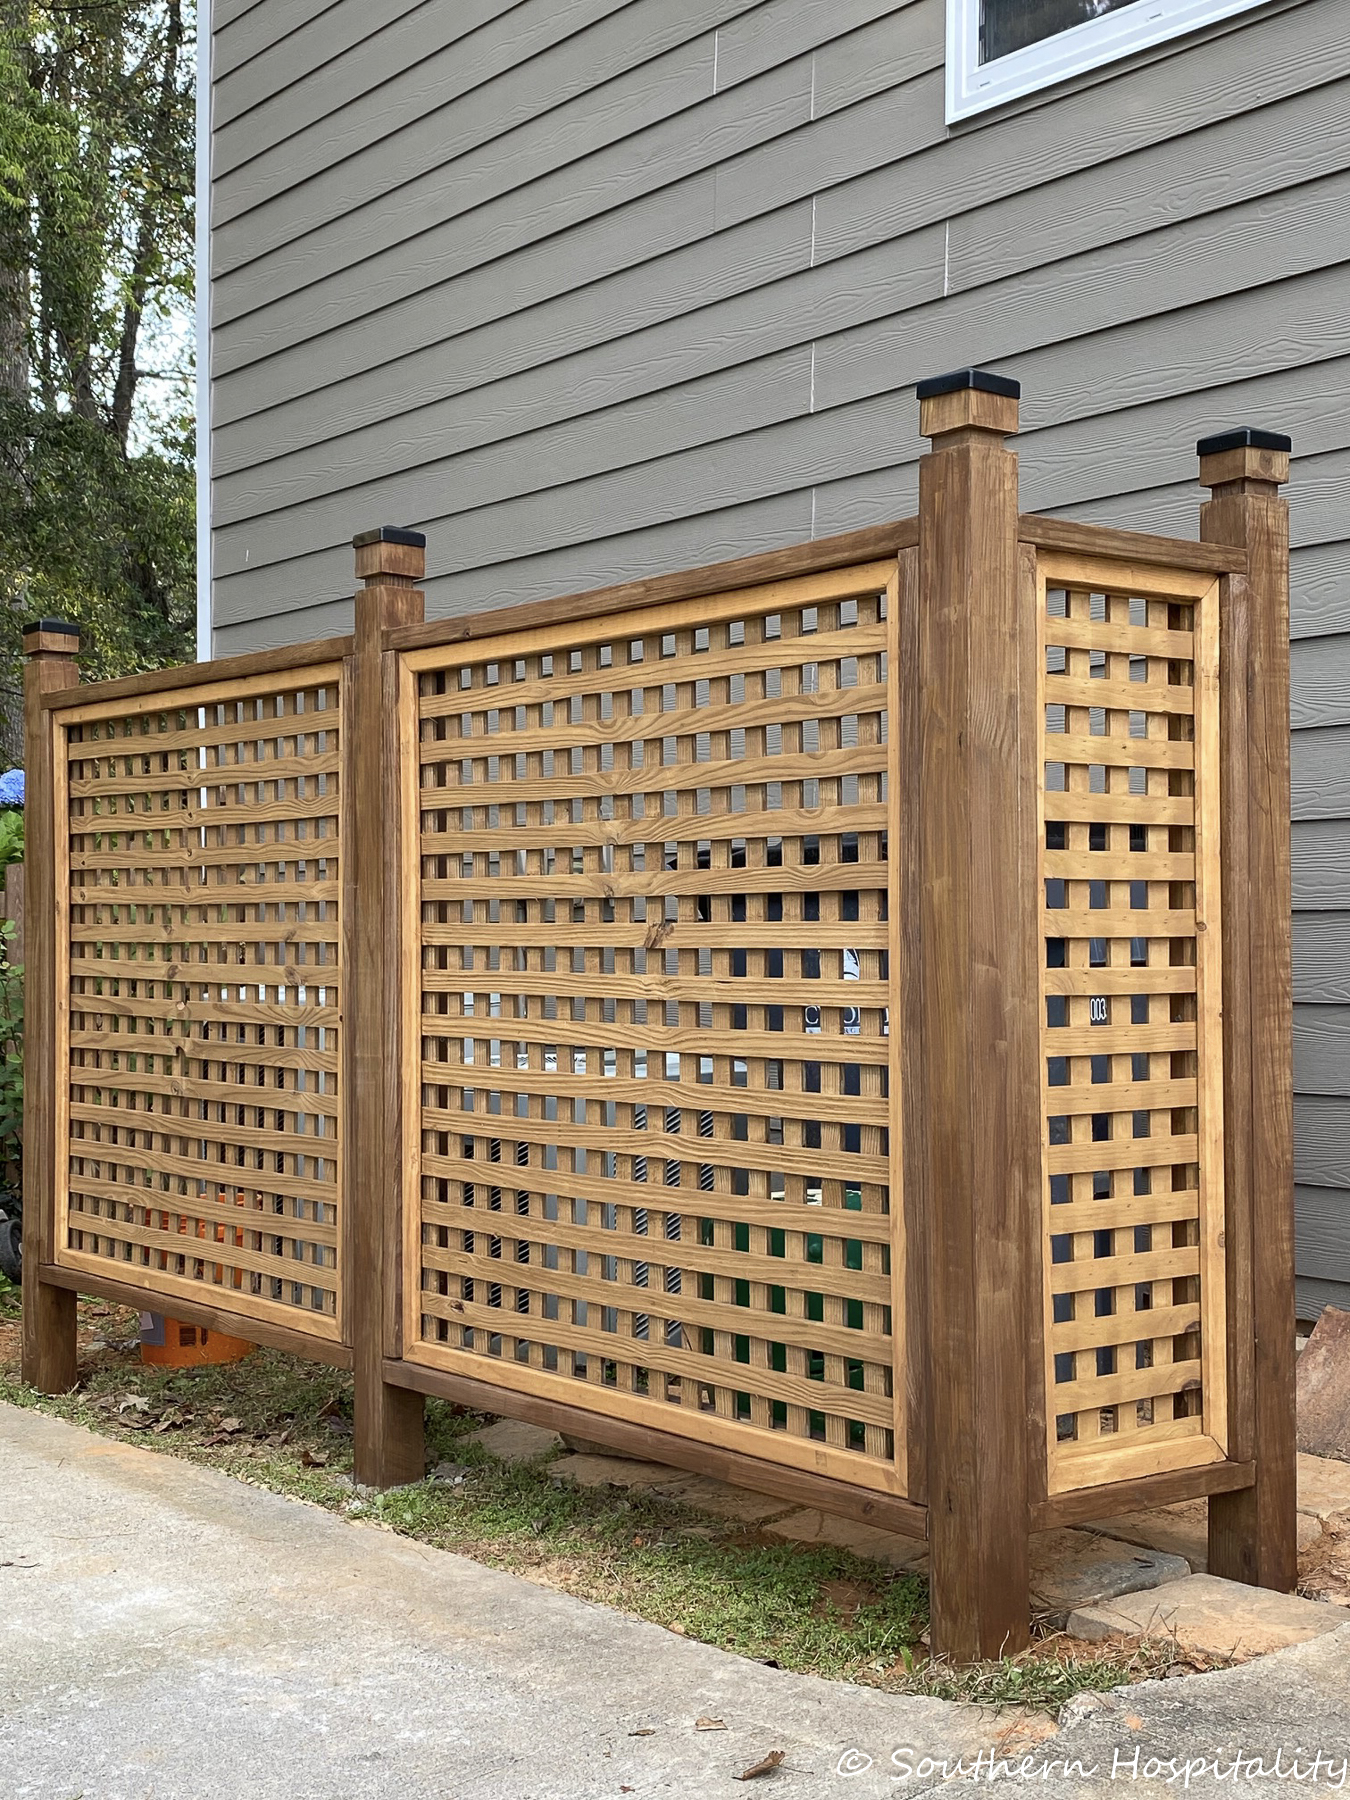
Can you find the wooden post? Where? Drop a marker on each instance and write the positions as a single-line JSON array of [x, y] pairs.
[[975, 1151], [48, 1357], [388, 1449], [1252, 1533]]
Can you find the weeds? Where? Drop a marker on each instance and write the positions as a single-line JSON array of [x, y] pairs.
[[287, 1426]]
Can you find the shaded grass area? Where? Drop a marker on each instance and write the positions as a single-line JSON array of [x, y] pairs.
[[286, 1425]]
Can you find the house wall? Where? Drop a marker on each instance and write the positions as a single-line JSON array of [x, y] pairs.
[[587, 289]]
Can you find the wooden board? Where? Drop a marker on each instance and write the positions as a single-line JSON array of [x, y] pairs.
[[199, 950], [1134, 1262], [653, 877]]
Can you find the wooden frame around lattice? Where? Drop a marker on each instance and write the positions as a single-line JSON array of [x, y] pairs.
[[199, 945], [646, 864], [1134, 1280]]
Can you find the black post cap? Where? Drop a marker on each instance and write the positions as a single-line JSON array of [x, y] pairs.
[[961, 379], [1246, 437], [61, 627], [390, 534]]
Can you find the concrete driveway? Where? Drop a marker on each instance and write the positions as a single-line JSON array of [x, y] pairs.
[[168, 1633]]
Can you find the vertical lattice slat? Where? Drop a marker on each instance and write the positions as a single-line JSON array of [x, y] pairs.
[[654, 1033], [204, 985], [1132, 1067]]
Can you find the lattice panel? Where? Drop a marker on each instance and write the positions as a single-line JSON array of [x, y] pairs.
[[655, 1107], [1132, 1063], [204, 981]]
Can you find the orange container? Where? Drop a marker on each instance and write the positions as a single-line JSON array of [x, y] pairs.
[[174, 1344]]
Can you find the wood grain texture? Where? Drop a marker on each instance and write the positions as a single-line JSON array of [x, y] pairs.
[[1320, 773], [1084, 1505], [1133, 1203], [1322, 1033], [974, 1149], [889, 1512], [198, 1107], [97, 1281], [1322, 1232], [388, 1441], [1312, 1294], [1322, 1141], [49, 1347], [653, 883], [1252, 1535], [822, 555]]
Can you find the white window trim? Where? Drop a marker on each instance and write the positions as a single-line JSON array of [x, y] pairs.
[[973, 87]]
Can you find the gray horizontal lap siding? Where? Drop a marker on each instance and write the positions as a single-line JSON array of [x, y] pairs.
[[589, 289]]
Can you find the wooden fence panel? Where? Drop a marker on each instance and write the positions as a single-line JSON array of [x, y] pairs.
[[199, 949], [653, 1039], [1131, 1028]]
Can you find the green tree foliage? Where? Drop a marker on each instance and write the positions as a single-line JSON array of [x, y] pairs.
[[96, 273]]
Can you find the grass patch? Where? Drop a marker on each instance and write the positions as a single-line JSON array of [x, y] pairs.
[[286, 1425]]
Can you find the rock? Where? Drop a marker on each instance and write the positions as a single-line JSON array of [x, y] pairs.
[[1071, 1569], [706, 1494], [448, 1474], [513, 1441], [1215, 1618], [1180, 1530], [1085, 1706], [1323, 1486], [1324, 1388], [581, 1446], [848, 1534], [612, 1471]]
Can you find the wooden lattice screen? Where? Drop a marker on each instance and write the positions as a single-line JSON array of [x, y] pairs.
[[655, 1105], [202, 962], [1133, 1256]]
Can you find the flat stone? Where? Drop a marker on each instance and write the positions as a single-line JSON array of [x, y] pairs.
[[719, 1498], [1324, 1387], [587, 1446], [702, 1492], [1216, 1618], [1324, 1486], [613, 1471], [1072, 1569], [887, 1547], [513, 1441], [1181, 1530]]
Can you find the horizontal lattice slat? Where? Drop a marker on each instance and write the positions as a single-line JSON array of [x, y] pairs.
[[203, 967], [1130, 996], [653, 1032]]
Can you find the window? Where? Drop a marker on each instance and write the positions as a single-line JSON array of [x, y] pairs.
[[1000, 49]]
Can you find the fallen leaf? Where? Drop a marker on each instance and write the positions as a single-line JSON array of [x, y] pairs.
[[642, 1731], [710, 1725], [230, 1424], [679, 1631], [314, 1459], [765, 1766], [133, 1403]]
